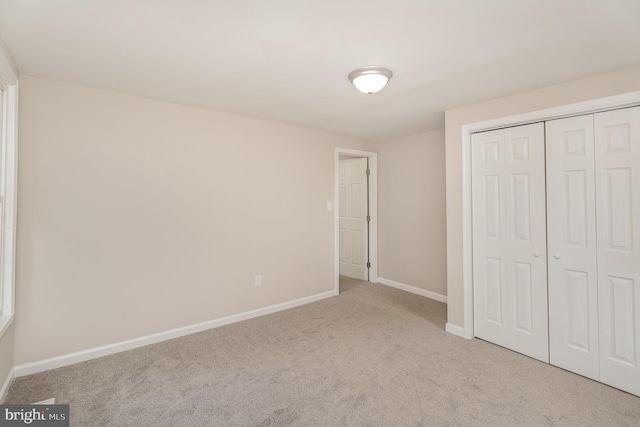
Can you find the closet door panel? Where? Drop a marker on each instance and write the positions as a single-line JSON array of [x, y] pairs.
[[572, 258], [617, 160], [489, 228], [509, 244], [526, 240]]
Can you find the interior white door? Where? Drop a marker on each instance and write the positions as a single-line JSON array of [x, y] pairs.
[[509, 239], [572, 260], [617, 163], [353, 211]]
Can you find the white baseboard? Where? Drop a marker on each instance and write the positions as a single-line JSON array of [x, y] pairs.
[[413, 289], [50, 401], [455, 330], [93, 353], [5, 386]]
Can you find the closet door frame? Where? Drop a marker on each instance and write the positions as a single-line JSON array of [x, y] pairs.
[[593, 106]]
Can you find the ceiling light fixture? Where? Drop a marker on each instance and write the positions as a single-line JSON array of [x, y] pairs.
[[370, 79]]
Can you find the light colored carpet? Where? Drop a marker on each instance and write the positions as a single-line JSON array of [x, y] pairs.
[[373, 356]]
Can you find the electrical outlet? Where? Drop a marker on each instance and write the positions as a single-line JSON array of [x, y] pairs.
[[258, 280]]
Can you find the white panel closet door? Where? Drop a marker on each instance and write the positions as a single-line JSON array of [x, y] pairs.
[[573, 281], [509, 229], [489, 245], [617, 155], [526, 241]]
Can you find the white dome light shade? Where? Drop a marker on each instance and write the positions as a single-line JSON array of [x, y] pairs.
[[370, 83], [370, 79]]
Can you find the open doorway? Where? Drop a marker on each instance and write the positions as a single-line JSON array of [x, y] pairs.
[[355, 217]]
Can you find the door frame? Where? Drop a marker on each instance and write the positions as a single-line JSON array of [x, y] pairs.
[[587, 107], [373, 211], [9, 83]]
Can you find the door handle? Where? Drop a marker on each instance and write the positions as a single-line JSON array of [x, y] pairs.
[[557, 256], [536, 254]]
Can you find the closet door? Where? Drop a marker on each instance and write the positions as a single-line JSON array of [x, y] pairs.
[[509, 229], [573, 280], [489, 249], [617, 155]]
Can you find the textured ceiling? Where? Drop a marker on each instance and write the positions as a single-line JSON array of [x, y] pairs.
[[288, 60]]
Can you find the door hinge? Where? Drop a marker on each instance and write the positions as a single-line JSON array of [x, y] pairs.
[[368, 218], [368, 264], [368, 172]]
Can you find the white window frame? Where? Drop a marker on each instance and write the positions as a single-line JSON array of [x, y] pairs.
[[8, 189]]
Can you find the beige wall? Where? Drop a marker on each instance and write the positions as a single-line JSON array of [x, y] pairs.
[[137, 216], [411, 204], [580, 90]]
